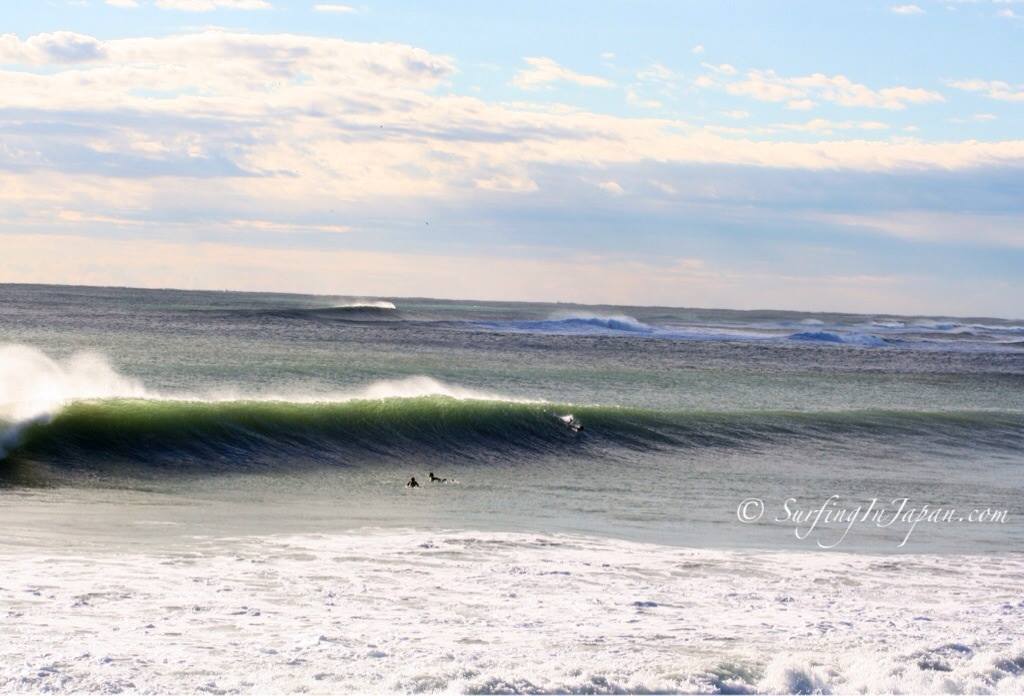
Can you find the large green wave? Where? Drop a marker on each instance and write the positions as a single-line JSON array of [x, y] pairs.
[[236, 434]]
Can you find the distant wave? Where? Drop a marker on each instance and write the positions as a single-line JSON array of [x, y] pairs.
[[850, 339], [368, 304], [355, 312], [936, 325], [575, 323], [875, 334]]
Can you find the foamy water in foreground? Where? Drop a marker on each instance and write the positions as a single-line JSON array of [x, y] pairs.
[[467, 612]]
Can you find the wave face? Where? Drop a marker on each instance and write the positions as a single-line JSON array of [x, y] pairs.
[[227, 436]]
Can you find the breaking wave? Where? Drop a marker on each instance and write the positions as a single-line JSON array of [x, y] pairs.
[[80, 413], [238, 435]]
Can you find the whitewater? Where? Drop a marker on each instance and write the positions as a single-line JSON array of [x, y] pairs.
[[204, 492]]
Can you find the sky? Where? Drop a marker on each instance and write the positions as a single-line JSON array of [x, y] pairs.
[[845, 156]]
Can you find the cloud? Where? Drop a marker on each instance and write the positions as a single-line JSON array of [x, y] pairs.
[[123, 3], [993, 89], [364, 117], [507, 183], [826, 127], [635, 99], [800, 92], [340, 9], [210, 5], [721, 69], [242, 139], [944, 226], [544, 72], [54, 48], [801, 104], [906, 10], [697, 50]]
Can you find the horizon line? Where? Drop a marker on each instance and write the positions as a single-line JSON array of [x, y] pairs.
[[509, 301]]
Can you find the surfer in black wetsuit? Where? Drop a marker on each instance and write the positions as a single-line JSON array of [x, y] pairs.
[[435, 479], [413, 483]]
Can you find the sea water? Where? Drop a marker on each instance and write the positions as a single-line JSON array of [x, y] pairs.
[[205, 491]]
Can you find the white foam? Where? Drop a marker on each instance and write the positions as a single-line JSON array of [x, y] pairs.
[[33, 384], [455, 612]]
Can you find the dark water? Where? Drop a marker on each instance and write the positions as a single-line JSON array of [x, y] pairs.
[[268, 412]]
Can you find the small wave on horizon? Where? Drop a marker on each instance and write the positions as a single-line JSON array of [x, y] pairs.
[[365, 304]]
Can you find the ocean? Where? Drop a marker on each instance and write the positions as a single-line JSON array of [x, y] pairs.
[[206, 492]]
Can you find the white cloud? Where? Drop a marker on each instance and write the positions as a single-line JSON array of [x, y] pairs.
[[54, 48], [801, 91], [825, 127], [906, 10], [336, 8], [697, 50], [210, 5], [634, 99], [123, 3], [544, 72], [993, 89], [611, 187], [721, 69], [507, 183]]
